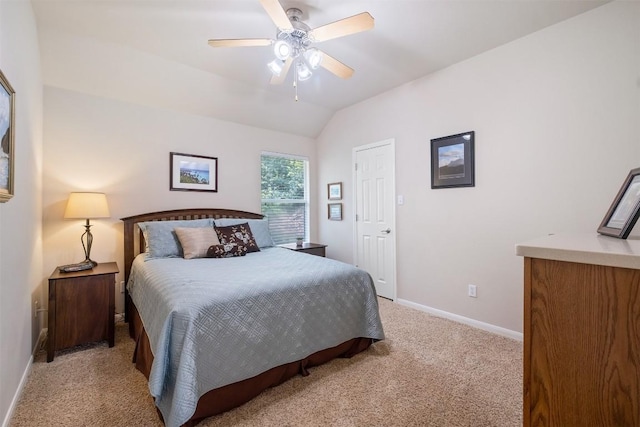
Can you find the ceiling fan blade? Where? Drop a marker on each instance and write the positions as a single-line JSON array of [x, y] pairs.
[[336, 67], [239, 42], [344, 27], [277, 14], [276, 80]]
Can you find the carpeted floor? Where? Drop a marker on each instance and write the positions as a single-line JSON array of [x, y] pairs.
[[428, 372]]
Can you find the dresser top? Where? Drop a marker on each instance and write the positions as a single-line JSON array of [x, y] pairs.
[[587, 248]]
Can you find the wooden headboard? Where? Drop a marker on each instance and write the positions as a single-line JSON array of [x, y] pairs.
[[130, 229]]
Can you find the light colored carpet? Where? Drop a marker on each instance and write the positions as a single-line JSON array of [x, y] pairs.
[[428, 372]]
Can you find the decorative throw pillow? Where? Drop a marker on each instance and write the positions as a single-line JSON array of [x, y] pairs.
[[239, 234], [196, 241], [160, 239], [226, 251], [259, 229]]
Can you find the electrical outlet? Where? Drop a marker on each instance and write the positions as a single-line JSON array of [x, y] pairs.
[[473, 291], [122, 287], [36, 305]]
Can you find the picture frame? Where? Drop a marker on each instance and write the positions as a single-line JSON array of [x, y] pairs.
[[453, 161], [625, 209], [335, 211], [7, 135], [193, 172], [334, 191]]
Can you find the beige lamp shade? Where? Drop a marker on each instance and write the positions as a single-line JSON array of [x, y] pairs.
[[87, 206]]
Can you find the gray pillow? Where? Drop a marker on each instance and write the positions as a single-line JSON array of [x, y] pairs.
[[259, 229], [162, 241]]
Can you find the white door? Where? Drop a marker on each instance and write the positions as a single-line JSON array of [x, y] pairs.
[[375, 214]]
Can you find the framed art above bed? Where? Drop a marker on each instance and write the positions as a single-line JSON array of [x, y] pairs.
[[191, 172]]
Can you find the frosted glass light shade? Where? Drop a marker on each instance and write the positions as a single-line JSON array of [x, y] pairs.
[[282, 49], [87, 206], [313, 57], [275, 67]]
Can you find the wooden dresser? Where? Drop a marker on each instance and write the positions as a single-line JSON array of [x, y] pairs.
[[581, 331]]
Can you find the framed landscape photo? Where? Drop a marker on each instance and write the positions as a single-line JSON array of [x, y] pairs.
[[625, 209], [7, 130], [452, 161], [335, 211], [335, 191], [191, 172]]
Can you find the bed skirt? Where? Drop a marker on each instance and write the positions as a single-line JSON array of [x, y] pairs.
[[222, 399]]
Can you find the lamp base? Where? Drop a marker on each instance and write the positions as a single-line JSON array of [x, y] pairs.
[[92, 262]]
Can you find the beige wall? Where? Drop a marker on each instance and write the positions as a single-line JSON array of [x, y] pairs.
[[121, 149], [557, 119], [20, 218]]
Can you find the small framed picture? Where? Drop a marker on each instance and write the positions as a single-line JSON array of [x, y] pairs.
[[625, 209], [190, 172], [452, 161], [335, 191], [335, 211]]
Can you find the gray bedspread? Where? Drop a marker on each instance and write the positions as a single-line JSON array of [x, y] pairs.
[[213, 322]]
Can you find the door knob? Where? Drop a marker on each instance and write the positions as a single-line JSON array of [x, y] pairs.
[[387, 231]]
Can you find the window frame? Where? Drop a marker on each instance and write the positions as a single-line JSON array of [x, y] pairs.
[[306, 198]]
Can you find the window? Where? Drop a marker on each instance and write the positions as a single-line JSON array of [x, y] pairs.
[[284, 195]]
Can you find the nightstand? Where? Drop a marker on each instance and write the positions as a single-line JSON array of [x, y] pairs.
[[307, 248], [81, 307]]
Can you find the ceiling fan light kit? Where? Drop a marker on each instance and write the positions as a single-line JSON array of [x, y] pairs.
[[292, 45]]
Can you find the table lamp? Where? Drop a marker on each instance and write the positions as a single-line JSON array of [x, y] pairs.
[[87, 206]]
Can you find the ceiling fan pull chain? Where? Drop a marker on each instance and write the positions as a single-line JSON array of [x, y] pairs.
[[295, 79]]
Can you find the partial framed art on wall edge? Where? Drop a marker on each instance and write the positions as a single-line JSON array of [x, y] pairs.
[[191, 172], [7, 130], [625, 209], [452, 161]]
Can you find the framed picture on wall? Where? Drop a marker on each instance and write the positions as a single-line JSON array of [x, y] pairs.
[[452, 161], [625, 209], [7, 130], [191, 172], [335, 211], [335, 191]]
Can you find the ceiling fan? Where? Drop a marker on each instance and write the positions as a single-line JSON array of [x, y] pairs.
[[293, 43]]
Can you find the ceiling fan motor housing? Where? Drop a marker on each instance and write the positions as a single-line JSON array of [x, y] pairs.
[[298, 38]]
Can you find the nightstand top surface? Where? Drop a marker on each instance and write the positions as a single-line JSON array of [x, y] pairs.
[[102, 268], [305, 245]]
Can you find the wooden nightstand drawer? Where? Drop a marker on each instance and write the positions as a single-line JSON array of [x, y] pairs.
[[307, 248], [81, 307]]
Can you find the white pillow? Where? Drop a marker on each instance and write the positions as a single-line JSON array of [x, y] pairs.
[[196, 241]]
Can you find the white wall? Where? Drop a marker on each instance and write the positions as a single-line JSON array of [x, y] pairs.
[[557, 122], [122, 149], [20, 218]]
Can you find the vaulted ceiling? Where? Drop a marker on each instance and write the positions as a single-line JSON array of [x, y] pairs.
[[411, 38]]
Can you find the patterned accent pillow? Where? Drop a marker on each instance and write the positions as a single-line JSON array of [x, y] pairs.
[[226, 251], [196, 241], [259, 229], [239, 234]]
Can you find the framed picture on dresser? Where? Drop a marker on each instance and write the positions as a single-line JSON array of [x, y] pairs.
[[625, 209]]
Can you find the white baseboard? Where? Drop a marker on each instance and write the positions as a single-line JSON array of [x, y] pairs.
[[25, 376], [16, 396], [466, 320]]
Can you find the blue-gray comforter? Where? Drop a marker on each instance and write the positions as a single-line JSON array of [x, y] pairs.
[[213, 322]]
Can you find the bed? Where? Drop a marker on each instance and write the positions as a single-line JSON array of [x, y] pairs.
[[213, 333]]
